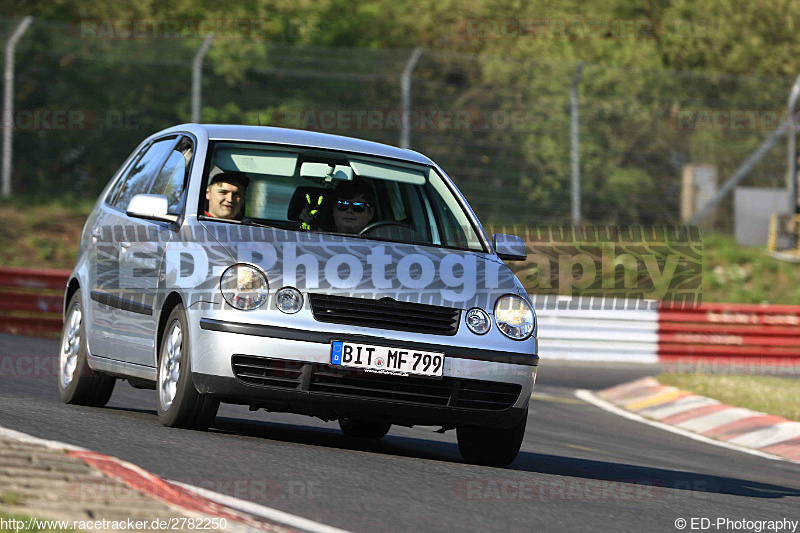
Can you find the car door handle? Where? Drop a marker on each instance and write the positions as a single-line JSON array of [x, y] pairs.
[[124, 245]]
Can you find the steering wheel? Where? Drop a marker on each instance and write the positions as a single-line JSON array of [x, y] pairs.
[[382, 223]]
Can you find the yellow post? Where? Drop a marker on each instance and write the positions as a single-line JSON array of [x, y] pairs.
[[773, 232]]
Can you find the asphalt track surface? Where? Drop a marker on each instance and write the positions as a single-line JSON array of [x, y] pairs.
[[580, 468]]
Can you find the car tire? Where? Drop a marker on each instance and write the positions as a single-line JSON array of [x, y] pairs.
[[77, 382], [491, 446], [179, 404], [364, 429]]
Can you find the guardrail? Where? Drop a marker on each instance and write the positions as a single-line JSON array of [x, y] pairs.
[[31, 301], [31, 304], [730, 333], [603, 334]]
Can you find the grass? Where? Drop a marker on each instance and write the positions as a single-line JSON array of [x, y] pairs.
[[11, 498], [766, 394], [732, 273]]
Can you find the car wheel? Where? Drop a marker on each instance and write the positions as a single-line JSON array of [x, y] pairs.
[[491, 446], [364, 429], [77, 383], [179, 403]]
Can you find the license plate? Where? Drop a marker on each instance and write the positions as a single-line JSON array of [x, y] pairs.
[[386, 360]]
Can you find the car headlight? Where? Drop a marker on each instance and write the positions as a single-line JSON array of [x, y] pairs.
[[289, 300], [478, 321], [514, 317], [244, 287]]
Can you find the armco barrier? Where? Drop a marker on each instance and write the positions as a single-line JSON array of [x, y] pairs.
[[31, 300], [625, 334], [730, 333], [618, 330]]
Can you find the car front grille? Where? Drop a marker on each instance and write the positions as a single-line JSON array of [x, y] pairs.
[[315, 377], [381, 386], [385, 314], [269, 372]]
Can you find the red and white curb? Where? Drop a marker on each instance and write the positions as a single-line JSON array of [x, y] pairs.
[[241, 515], [702, 418]]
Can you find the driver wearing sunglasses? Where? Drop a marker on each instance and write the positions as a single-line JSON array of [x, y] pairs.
[[353, 207]]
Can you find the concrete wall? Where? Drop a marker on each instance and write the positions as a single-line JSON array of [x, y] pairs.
[[753, 208]]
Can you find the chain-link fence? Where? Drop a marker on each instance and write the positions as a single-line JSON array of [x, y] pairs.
[[86, 95]]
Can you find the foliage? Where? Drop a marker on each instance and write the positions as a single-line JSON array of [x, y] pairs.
[[719, 35], [509, 64]]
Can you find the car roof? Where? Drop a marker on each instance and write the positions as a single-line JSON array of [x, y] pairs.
[[311, 139]]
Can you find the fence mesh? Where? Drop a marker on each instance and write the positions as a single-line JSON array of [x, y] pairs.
[[499, 126]]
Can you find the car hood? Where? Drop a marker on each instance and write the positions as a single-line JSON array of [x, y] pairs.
[[350, 266]]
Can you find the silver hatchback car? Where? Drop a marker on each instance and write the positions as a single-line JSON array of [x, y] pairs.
[[300, 272]]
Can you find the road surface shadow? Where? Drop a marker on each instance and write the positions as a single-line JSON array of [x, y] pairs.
[[660, 479], [588, 478]]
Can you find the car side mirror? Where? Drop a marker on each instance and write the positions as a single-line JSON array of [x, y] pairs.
[[151, 207], [509, 247]]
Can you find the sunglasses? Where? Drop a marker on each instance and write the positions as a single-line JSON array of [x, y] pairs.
[[358, 207]]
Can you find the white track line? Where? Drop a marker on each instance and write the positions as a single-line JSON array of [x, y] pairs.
[[261, 511], [30, 439], [229, 501], [589, 397]]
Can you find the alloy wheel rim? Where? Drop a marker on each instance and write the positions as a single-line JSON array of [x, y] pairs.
[[70, 345], [170, 365]]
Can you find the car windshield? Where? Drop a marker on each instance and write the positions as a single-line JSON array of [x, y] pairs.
[[346, 194]]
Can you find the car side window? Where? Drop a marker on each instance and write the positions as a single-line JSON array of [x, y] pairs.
[[133, 160], [140, 174], [172, 178]]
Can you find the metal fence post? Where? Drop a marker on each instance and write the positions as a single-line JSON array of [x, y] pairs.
[[8, 102], [575, 145], [197, 76], [791, 175], [405, 87]]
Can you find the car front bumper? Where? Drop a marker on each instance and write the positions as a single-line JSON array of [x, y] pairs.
[[300, 379], [331, 406]]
